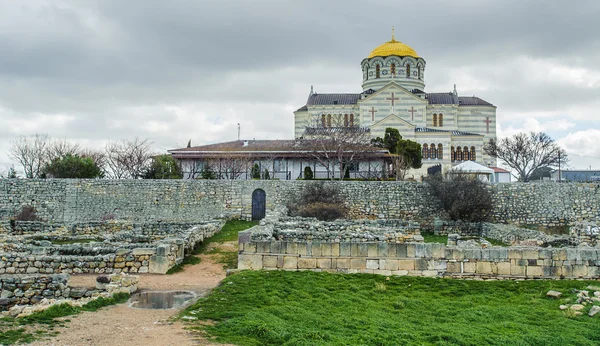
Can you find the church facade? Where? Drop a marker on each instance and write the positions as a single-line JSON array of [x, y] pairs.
[[450, 128]]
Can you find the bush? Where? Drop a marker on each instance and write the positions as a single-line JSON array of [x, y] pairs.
[[320, 201], [255, 171], [462, 196], [27, 213], [308, 173], [73, 166], [266, 175]]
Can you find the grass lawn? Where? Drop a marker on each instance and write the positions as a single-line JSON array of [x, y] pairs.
[[308, 308], [229, 232]]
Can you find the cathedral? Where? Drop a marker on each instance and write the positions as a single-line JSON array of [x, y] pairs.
[[450, 128]]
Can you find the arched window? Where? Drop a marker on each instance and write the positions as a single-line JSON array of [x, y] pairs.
[[367, 72], [393, 69], [434, 120], [407, 70], [351, 120], [345, 120], [452, 154], [466, 154], [440, 120], [323, 121], [377, 71], [328, 120], [419, 71], [425, 151], [432, 151], [458, 154], [440, 153], [473, 157]]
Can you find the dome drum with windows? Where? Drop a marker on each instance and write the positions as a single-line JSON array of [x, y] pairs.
[[393, 61]]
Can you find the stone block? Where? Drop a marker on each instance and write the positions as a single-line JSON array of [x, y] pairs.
[[472, 254], [483, 267], [401, 250], [400, 272], [545, 254], [276, 247], [269, 261], [573, 254], [382, 250], [406, 264], [143, 251], [362, 250], [371, 249], [534, 271], [391, 264], [430, 273], [382, 272], [498, 254], [468, 267], [423, 250], [503, 268], [455, 254], [453, 267], [316, 249], [559, 254], [263, 247], [567, 270], [335, 249], [302, 249], [326, 249], [593, 271], [250, 247], [421, 264], [437, 250], [411, 250], [345, 249], [308, 263], [291, 248], [358, 263], [516, 269], [373, 264], [579, 271], [324, 263], [342, 263], [392, 248], [246, 261], [515, 253], [290, 262], [530, 254]]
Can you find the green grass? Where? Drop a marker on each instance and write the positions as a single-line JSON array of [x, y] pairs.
[[229, 232], [308, 308], [41, 324], [75, 241], [433, 238]]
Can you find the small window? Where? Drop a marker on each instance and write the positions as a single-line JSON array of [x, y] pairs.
[[425, 152], [452, 154], [466, 154], [419, 70], [435, 120], [323, 120], [440, 151], [351, 120], [393, 69], [377, 71], [407, 70], [473, 157], [346, 123], [328, 120], [432, 151], [440, 120], [458, 154], [278, 165]]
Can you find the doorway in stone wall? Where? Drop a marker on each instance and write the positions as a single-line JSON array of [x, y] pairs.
[[259, 199]]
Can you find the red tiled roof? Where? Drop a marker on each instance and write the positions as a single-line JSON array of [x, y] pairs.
[[499, 170]]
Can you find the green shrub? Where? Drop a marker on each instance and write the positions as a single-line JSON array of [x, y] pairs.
[[255, 171], [308, 173], [321, 201]]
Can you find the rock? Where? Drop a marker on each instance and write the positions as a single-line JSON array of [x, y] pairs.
[[597, 294], [594, 310], [563, 307], [593, 288], [577, 307], [77, 292], [553, 294]]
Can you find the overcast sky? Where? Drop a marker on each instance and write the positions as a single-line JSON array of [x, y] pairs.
[[94, 71]]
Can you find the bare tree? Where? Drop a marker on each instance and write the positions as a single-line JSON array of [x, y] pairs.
[[128, 159], [231, 167], [336, 142], [525, 153], [57, 148], [99, 157], [31, 153]]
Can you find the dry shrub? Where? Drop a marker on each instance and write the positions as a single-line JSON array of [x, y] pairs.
[[27, 213], [320, 201], [462, 196]]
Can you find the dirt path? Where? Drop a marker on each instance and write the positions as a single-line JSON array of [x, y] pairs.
[[122, 325]]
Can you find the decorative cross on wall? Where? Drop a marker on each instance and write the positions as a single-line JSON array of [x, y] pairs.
[[412, 113], [372, 111], [487, 122], [392, 99]]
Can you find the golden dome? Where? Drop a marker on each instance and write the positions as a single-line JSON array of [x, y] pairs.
[[393, 47]]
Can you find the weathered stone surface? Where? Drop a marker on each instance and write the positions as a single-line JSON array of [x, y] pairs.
[[553, 294], [594, 311]]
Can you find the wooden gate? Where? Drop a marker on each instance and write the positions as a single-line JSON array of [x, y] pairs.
[[259, 204]]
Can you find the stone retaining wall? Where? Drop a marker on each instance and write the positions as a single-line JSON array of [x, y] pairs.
[[420, 259], [31, 289], [65, 201]]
